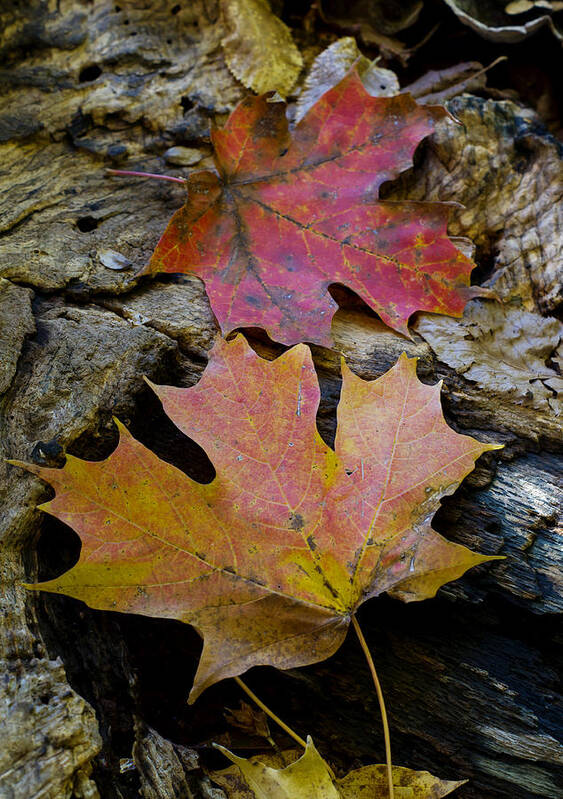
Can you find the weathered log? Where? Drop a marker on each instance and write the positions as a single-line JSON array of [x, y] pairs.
[[470, 677]]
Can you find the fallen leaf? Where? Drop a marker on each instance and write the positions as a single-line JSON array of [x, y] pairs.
[[382, 16], [522, 6], [333, 64], [440, 85], [370, 782], [249, 719], [306, 778], [270, 560], [258, 47], [491, 19], [375, 22], [310, 778], [287, 216], [504, 350]]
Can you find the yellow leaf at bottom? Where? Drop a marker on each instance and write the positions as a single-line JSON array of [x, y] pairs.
[[309, 777], [306, 778], [370, 782]]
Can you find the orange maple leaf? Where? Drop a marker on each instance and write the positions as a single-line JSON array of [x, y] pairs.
[[271, 559]]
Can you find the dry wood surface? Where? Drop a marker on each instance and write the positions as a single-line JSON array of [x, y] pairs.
[[92, 704]]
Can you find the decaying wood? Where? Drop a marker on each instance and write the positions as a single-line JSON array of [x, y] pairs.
[[470, 678]]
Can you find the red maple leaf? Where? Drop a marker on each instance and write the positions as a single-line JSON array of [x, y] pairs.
[[285, 216]]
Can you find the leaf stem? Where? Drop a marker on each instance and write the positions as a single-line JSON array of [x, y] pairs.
[[379, 693], [269, 712], [128, 173]]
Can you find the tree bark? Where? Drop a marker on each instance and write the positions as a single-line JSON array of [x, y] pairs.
[[92, 703]]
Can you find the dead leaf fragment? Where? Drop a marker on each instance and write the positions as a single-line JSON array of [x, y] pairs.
[[370, 782], [333, 64], [375, 22], [505, 350], [309, 777], [522, 6], [381, 16], [258, 47], [250, 720], [437, 86], [491, 19]]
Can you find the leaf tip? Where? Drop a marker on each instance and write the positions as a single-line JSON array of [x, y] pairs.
[[120, 426], [32, 468], [195, 692], [15, 462], [344, 368], [410, 364], [223, 750]]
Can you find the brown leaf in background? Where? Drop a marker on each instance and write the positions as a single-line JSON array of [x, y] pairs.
[[382, 16], [504, 350], [251, 720], [490, 20], [438, 85], [375, 22]]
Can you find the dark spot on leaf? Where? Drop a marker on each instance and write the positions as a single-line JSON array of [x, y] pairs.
[[312, 543], [296, 521], [254, 301], [270, 126]]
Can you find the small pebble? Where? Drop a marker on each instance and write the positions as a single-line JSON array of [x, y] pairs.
[[114, 260], [182, 156], [137, 318]]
